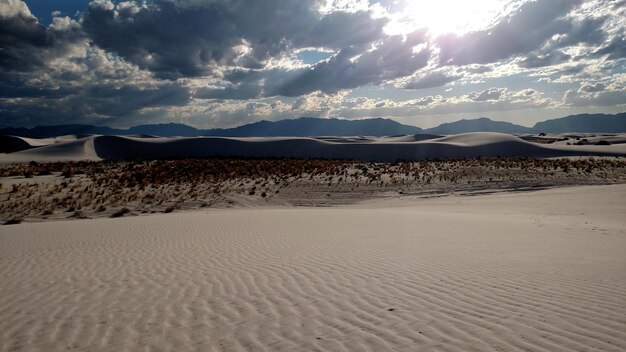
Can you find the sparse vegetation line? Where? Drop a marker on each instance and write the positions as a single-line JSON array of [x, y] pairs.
[[38, 191]]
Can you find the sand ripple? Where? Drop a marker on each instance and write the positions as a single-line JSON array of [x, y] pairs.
[[539, 271]]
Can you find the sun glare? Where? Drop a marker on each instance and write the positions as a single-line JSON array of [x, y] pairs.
[[449, 16]]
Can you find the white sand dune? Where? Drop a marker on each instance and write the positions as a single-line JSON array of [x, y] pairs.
[[9, 144], [613, 139], [70, 150], [457, 146], [540, 271]]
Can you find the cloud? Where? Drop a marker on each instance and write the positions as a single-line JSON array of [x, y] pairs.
[[615, 49], [430, 80], [524, 30], [84, 89], [227, 62], [593, 87], [599, 94], [392, 59], [198, 38], [543, 60], [487, 94], [25, 44]]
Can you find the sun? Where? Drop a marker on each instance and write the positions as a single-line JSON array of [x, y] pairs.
[[449, 16]]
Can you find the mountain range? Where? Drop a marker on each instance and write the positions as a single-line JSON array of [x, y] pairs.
[[309, 126]]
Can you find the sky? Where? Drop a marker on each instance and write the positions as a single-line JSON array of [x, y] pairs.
[[224, 63]]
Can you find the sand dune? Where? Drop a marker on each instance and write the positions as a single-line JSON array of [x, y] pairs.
[[537, 271], [10, 144], [72, 150], [362, 148]]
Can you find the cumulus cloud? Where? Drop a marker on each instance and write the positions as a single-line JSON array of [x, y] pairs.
[[393, 58], [26, 44], [232, 62], [526, 29], [97, 86], [615, 49], [599, 94], [543, 60], [195, 38], [430, 80], [487, 94]]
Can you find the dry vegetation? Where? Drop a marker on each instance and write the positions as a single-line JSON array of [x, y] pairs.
[[95, 189]]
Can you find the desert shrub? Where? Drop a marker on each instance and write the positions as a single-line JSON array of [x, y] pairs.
[[13, 222], [120, 213], [79, 215]]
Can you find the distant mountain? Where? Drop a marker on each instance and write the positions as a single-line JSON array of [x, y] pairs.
[[164, 130], [478, 125], [305, 126], [591, 123], [55, 131], [309, 126]]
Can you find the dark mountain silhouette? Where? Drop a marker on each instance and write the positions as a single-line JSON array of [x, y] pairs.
[[309, 126], [164, 130], [58, 130], [305, 126], [591, 123], [478, 125]]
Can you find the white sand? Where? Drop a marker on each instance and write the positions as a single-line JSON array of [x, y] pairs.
[[542, 271], [467, 145]]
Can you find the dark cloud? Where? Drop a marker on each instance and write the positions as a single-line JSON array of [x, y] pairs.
[[90, 105], [235, 92], [588, 30], [25, 44], [195, 38], [119, 101], [523, 31], [394, 57], [348, 69], [615, 49], [144, 60], [13, 85], [431, 80], [549, 59]]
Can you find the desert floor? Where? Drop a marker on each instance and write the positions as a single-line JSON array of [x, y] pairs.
[[531, 271]]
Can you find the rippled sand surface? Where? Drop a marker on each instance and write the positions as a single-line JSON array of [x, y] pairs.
[[540, 271]]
